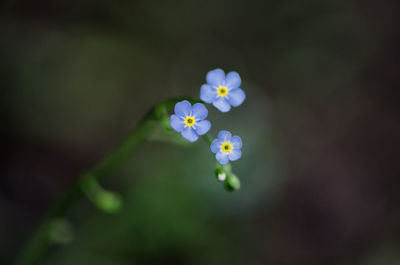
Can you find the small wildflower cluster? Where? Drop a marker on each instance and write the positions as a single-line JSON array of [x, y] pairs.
[[223, 92]]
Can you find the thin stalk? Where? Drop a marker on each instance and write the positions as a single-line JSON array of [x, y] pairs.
[[207, 138], [39, 243]]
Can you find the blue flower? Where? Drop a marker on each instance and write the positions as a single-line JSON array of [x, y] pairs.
[[226, 147], [222, 91], [190, 121]]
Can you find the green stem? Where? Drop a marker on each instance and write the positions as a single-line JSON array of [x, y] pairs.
[[207, 138], [40, 242]]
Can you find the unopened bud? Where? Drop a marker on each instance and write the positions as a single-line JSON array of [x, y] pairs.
[[232, 183], [107, 201], [220, 174], [221, 177]]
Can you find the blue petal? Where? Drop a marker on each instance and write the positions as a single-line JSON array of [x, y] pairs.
[[232, 80], [224, 136], [176, 123], [235, 155], [207, 93], [222, 158], [216, 77], [199, 111], [189, 134], [183, 108], [236, 142], [222, 105], [215, 146], [236, 97], [202, 127]]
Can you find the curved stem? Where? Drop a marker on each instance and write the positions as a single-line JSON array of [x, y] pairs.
[[41, 241], [207, 138]]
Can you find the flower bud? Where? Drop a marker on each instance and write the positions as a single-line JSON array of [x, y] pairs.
[[232, 182], [109, 202], [220, 174]]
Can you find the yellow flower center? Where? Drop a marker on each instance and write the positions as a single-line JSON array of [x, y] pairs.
[[190, 121], [226, 147], [222, 91]]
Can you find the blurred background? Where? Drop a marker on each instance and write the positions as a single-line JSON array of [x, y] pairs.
[[321, 130]]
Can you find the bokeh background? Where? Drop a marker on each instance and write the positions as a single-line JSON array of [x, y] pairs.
[[321, 130]]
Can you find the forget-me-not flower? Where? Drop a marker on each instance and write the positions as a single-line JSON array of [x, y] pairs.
[[226, 147], [190, 120], [222, 91]]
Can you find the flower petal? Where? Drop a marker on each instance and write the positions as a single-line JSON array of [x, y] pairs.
[[202, 127], [199, 111], [236, 142], [222, 158], [235, 154], [224, 136], [189, 134], [176, 123], [216, 77], [222, 105], [183, 108], [207, 93], [215, 146], [232, 80], [236, 97]]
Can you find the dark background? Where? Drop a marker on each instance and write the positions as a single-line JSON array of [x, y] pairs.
[[320, 125]]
